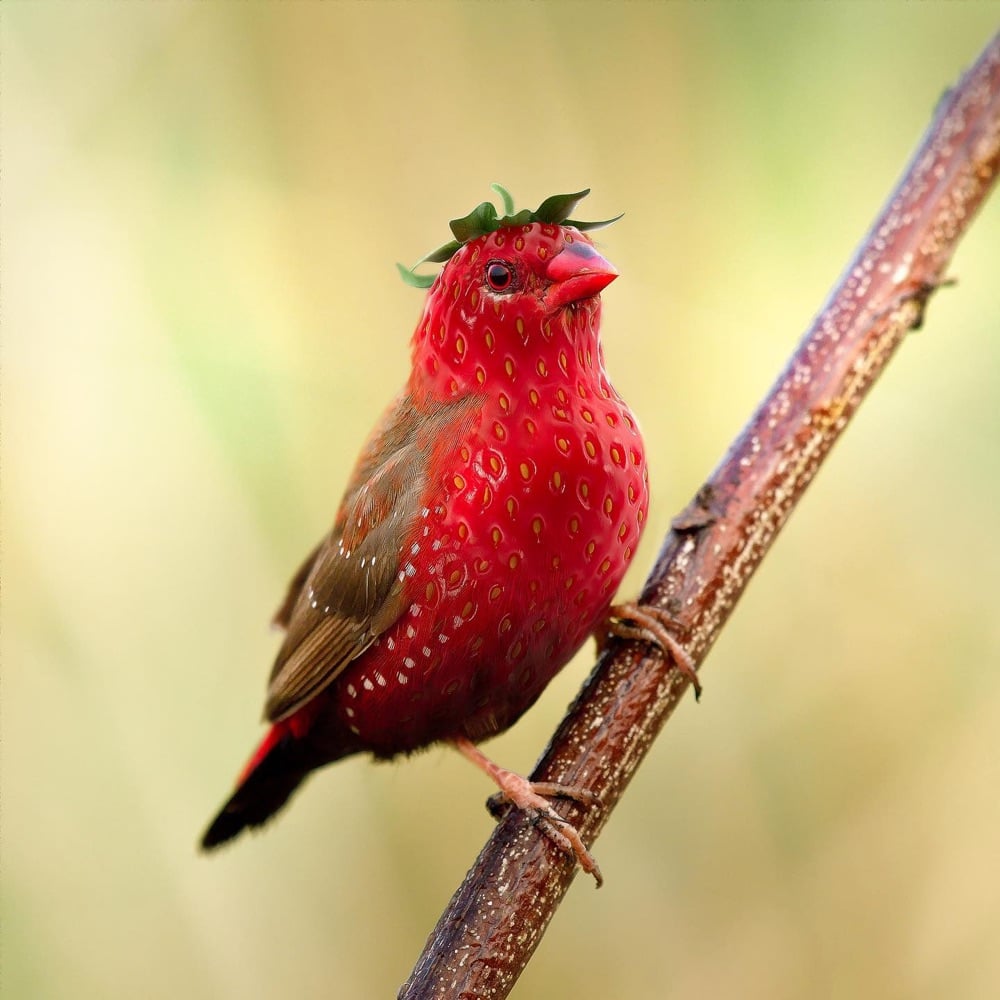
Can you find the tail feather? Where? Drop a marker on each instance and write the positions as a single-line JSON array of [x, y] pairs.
[[276, 769]]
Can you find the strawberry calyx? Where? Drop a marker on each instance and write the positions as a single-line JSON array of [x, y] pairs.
[[483, 219]]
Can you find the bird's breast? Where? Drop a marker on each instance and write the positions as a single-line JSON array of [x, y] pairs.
[[531, 517]]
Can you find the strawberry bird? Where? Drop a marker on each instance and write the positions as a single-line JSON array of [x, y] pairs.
[[483, 533]]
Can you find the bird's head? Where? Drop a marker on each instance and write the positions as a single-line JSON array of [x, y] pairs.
[[541, 252], [509, 284]]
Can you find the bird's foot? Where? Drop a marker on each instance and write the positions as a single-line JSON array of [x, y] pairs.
[[530, 798], [645, 623]]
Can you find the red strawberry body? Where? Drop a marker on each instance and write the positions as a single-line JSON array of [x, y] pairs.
[[484, 532]]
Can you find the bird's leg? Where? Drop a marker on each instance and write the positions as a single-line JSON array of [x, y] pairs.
[[645, 623], [529, 797]]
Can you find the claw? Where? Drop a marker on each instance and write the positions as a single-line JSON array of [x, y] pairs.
[[529, 797], [645, 623]]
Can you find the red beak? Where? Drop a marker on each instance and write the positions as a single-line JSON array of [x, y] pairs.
[[576, 273]]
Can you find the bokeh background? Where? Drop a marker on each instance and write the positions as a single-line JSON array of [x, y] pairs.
[[202, 204]]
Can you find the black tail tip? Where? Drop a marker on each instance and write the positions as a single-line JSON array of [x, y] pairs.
[[245, 810], [222, 829], [261, 794]]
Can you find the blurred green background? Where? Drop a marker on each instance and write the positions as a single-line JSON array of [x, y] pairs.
[[202, 204]]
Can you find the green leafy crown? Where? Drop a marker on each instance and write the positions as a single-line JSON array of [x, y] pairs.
[[483, 219]]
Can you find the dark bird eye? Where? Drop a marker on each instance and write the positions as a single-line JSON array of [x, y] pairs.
[[499, 276]]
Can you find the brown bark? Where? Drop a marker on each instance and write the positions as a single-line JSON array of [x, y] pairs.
[[498, 915]]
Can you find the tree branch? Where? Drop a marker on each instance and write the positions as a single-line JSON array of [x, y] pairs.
[[497, 917]]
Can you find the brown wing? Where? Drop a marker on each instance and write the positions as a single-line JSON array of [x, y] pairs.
[[393, 432], [284, 613], [348, 592]]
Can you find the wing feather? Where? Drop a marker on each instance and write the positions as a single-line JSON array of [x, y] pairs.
[[284, 613], [349, 591]]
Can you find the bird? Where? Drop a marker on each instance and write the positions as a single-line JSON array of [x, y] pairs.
[[483, 532]]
